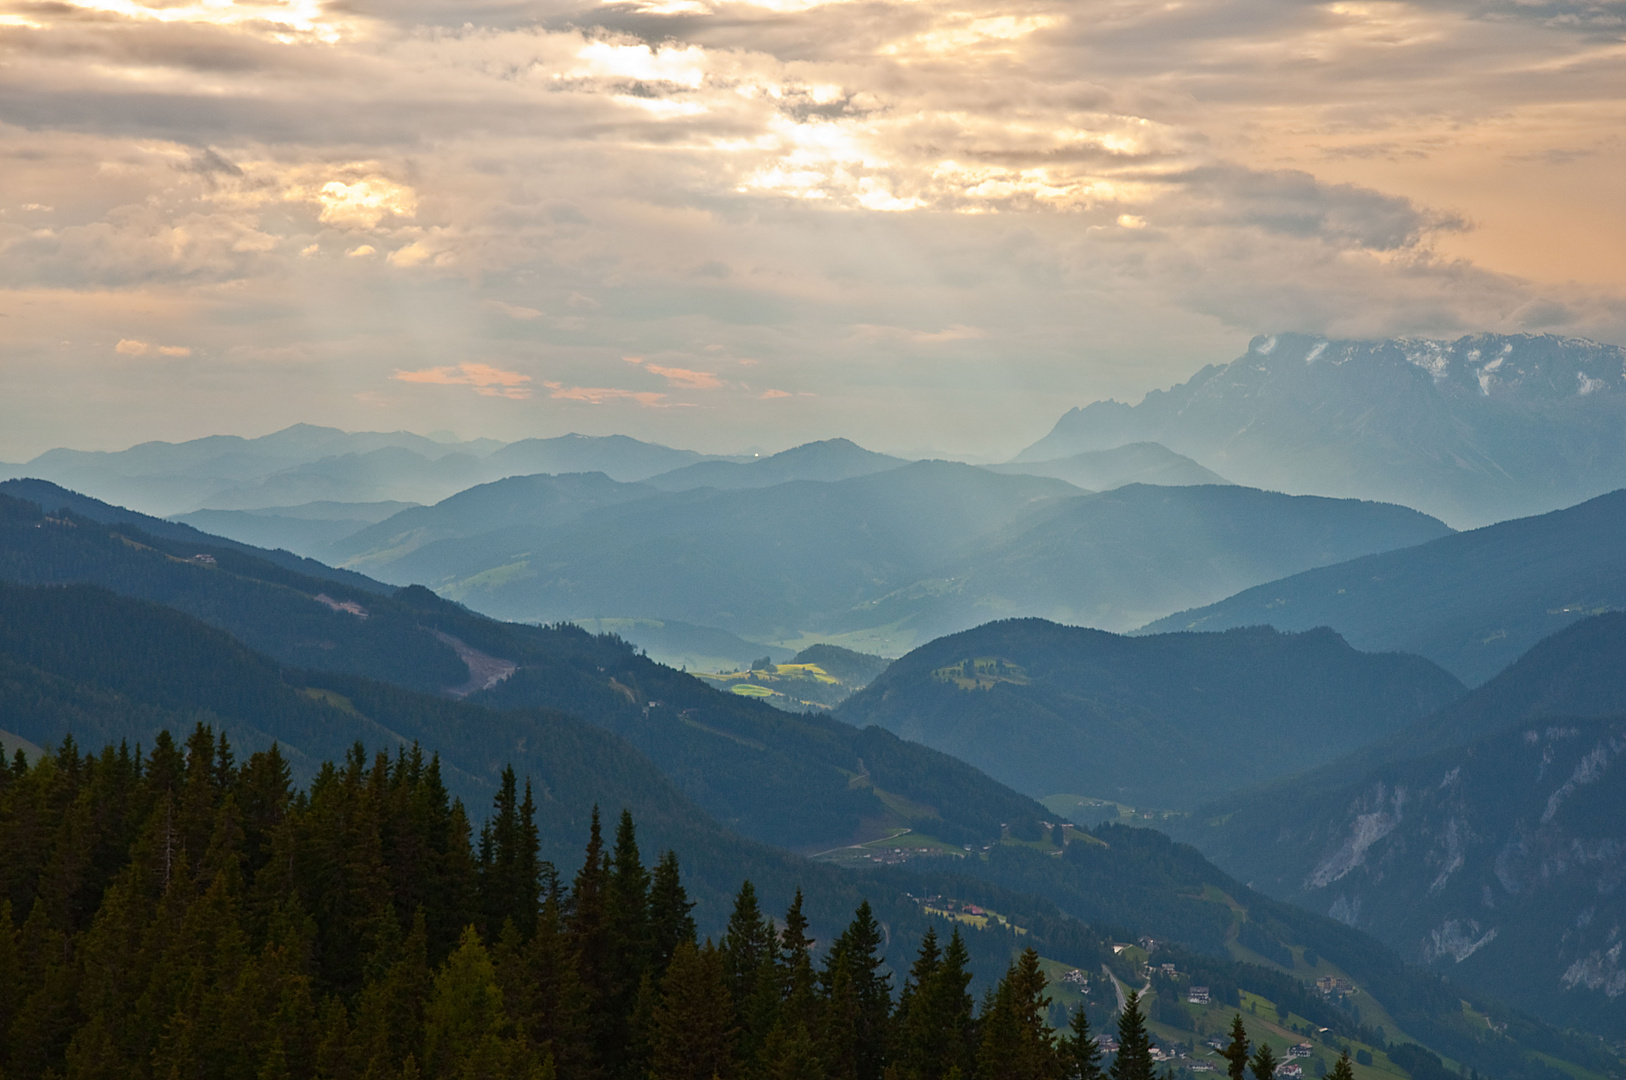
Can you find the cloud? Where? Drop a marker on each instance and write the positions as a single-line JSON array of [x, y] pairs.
[[603, 395], [133, 347], [685, 378], [769, 395], [487, 380], [1093, 202], [512, 311]]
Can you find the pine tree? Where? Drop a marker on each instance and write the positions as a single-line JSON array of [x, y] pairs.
[[1263, 1064], [914, 1031], [693, 1032], [1083, 1053], [859, 947], [588, 929], [466, 1032], [670, 923], [933, 1029], [390, 1009], [949, 1003], [510, 871], [750, 953], [1343, 1070], [626, 914], [1236, 1051], [1134, 1058], [838, 1033], [544, 993], [1017, 1042]]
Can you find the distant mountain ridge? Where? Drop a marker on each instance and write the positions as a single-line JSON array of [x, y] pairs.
[[829, 459], [1471, 602], [1165, 721], [1132, 463], [306, 463], [880, 562], [1480, 429], [1110, 560]]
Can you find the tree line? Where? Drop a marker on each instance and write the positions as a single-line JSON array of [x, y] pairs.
[[178, 914]]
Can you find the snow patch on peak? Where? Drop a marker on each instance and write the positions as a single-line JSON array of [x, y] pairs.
[[1264, 346], [1428, 355], [1588, 385], [1321, 347]]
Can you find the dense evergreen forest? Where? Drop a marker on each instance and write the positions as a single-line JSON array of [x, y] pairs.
[[187, 915]]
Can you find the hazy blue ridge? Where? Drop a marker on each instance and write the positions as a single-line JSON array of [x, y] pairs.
[[1471, 602], [306, 463], [892, 558], [1132, 463], [1111, 560], [827, 460]]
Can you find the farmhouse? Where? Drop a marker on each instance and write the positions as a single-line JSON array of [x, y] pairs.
[[1197, 995]]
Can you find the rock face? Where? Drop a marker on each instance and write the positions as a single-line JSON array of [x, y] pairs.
[[1475, 430], [1500, 864], [1487, 841]]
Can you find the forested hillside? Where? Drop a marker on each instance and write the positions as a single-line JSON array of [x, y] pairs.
[[790, 780], [1165, 721]]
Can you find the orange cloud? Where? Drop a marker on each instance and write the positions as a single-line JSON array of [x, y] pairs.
[[132, 347], [767, 395], [487, 380], [683, 377], [598, 395]]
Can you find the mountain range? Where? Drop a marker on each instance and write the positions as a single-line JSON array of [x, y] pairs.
[[880, 562], [1471, 602], [78, 658], [592, 720], [1475, 430], [305, 463]]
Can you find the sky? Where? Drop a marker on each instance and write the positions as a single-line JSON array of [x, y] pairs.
[[928, 225]]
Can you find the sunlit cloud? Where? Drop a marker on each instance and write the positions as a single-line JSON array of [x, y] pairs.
[[133, 347], [870, 198], [600, 395], [685, 378], [486, 380]]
